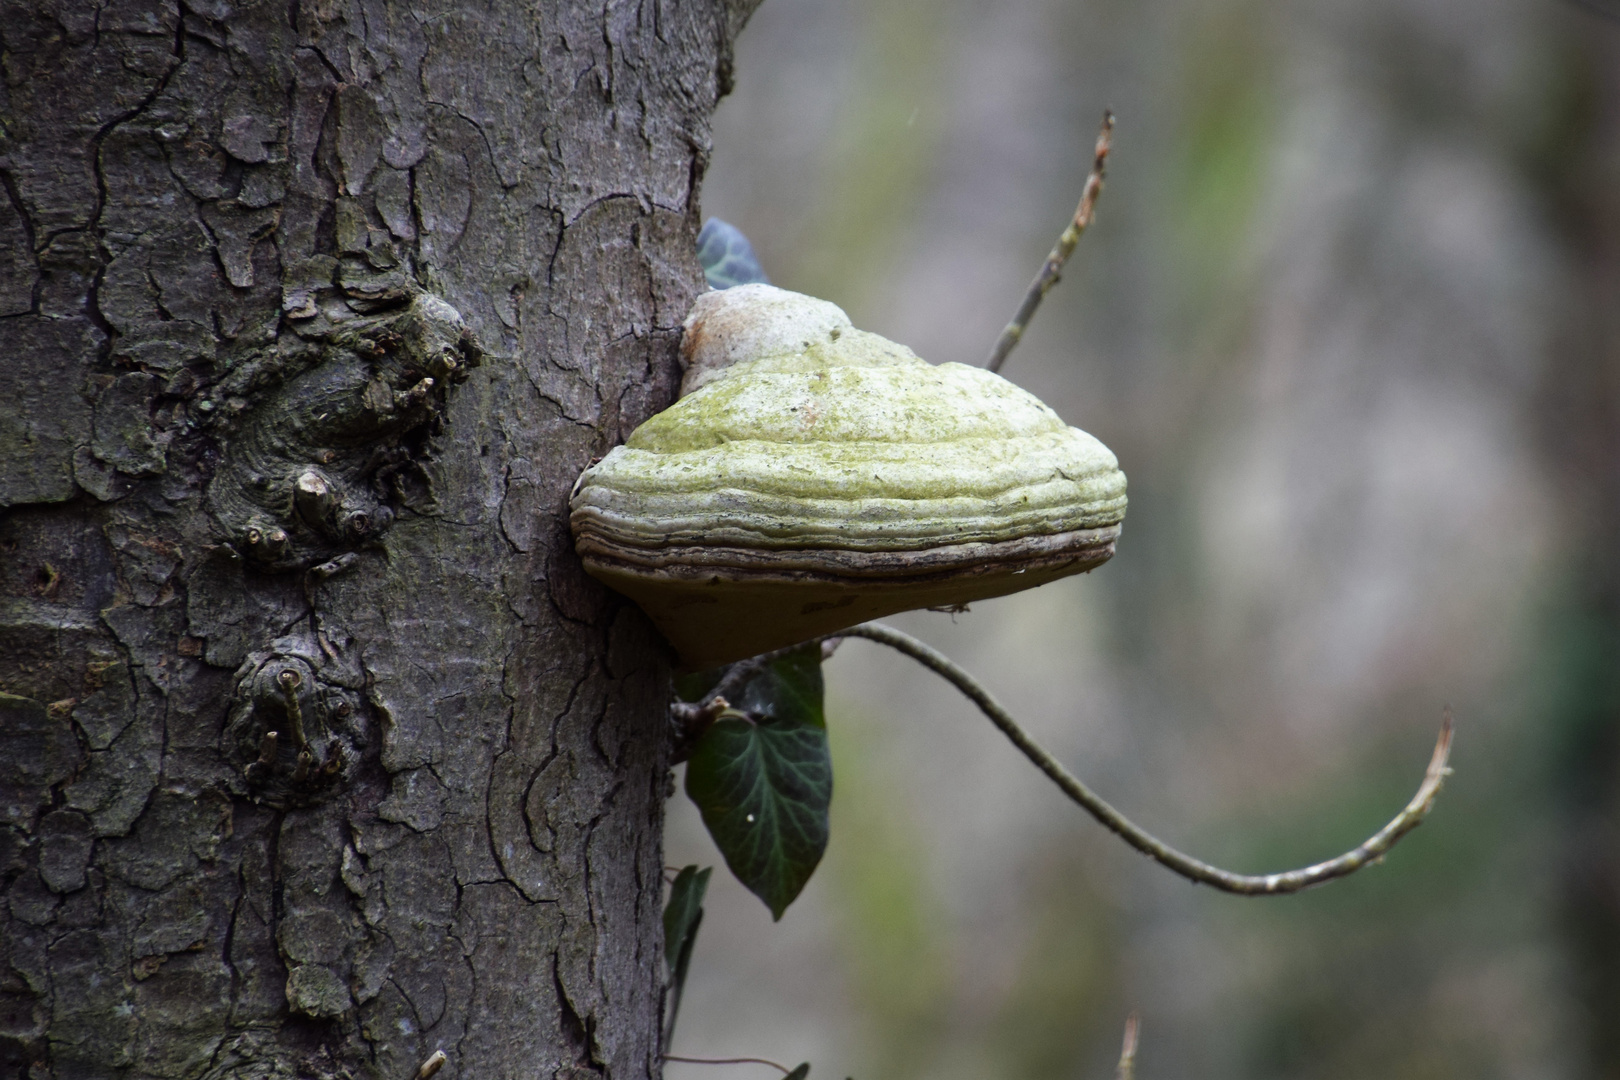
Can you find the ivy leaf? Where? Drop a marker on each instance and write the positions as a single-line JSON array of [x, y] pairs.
[[788, 688], [728, 258], [682, 916], [800, 1073], [762, 778]]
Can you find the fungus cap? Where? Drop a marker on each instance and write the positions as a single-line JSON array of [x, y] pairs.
[[828, 476]]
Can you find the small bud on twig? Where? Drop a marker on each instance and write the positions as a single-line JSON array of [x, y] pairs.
[[1127, 1053]]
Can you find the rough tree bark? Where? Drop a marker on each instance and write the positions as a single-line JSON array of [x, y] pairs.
[[310, 313]]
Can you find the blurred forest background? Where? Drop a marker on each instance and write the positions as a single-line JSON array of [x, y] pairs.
[[1350, 317]]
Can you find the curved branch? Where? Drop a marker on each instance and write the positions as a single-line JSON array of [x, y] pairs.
[[729, 1061], [1188, 867]]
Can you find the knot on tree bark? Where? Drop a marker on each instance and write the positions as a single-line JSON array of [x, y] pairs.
[[323, 434], [298, 721]]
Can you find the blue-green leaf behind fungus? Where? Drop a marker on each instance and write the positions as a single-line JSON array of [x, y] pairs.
[[728, 258], [762, 778]]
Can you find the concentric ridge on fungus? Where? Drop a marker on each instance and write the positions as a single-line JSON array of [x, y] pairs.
[[833, 478]]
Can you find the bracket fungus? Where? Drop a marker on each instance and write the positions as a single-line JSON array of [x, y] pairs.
[[814, 476]]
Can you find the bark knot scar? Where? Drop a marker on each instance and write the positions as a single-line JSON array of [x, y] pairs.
[[297, 725], [326, 431]]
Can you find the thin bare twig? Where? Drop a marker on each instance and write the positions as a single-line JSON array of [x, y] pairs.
[[1127, 1053], [1369, 851], [1053, 267], [729, 1061]]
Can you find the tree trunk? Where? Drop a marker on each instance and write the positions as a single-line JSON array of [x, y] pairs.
[[312, 312]]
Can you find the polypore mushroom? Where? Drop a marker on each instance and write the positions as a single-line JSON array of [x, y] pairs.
[[814, 476]]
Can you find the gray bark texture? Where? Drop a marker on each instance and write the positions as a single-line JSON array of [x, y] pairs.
[[318, 752]]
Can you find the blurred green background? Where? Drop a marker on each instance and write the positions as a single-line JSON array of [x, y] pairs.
[[1350, 317]]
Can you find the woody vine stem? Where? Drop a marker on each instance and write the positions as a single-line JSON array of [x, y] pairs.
[[1196, 870], [1369, 851]]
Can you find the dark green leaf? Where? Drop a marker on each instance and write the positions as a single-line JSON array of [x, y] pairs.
[[728, 258], [788, 689], [762, 778], [682, 915], [800, 1073]]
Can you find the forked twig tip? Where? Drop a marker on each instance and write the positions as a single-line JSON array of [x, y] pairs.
[[1440, 761]]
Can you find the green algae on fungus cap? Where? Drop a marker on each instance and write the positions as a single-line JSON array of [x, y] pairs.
[[835, 477]]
